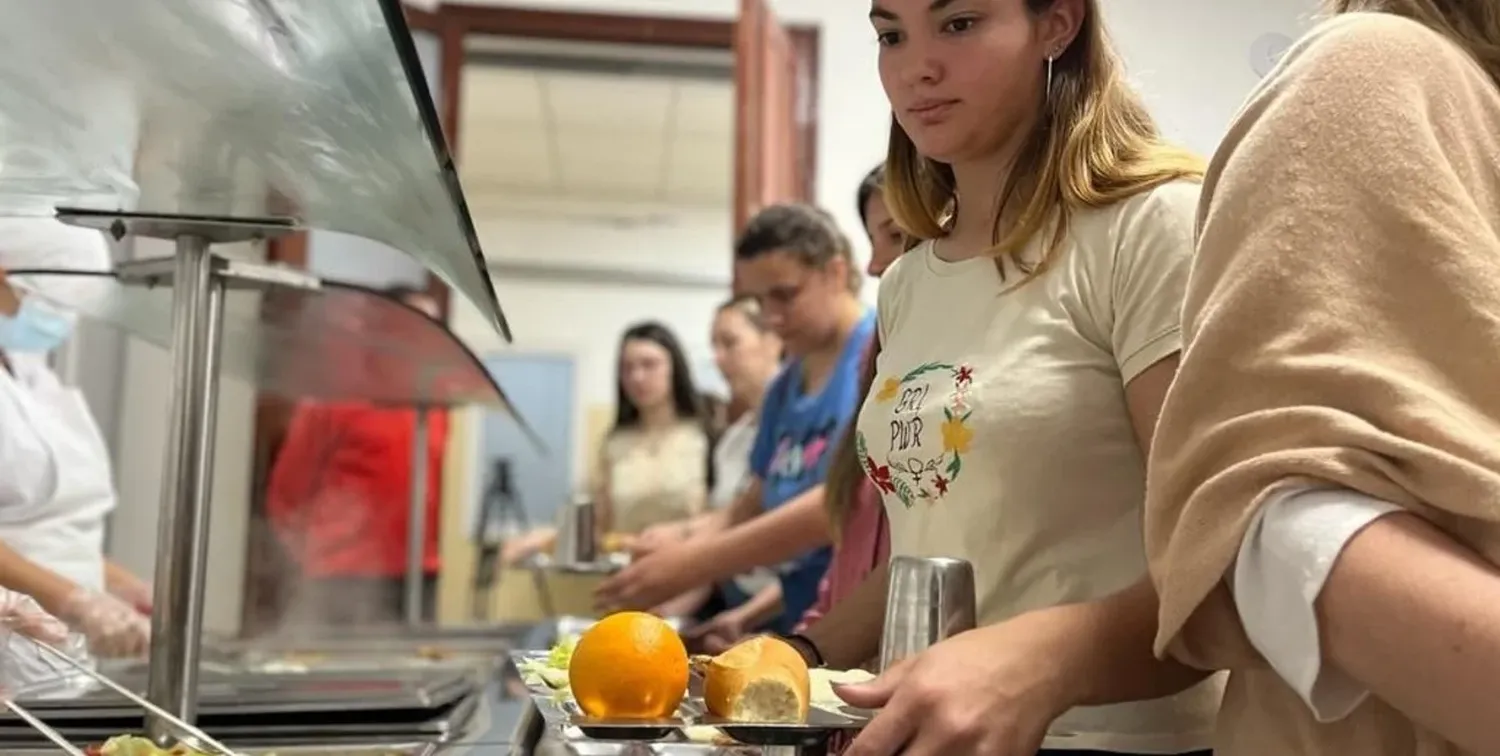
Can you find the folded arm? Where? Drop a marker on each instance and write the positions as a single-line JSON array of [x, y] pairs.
[[1416, 617], [1318, 412]]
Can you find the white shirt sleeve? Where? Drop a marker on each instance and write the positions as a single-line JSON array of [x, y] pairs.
[[1284, 560]]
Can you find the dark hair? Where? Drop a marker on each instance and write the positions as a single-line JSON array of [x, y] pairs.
[[846, 471], [808, 233], [684, 394], [686, 399], [868, 188]]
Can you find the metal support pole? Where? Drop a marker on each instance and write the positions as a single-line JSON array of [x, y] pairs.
[[416, 533], [187, 485]]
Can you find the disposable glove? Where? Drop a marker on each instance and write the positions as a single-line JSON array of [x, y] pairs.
[[26, 668], [113, 628], [133, 591]]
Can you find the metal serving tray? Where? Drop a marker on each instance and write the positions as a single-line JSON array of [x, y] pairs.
[[441, 727], [382, 637], [388, 692], [351, 748], [559, 711]]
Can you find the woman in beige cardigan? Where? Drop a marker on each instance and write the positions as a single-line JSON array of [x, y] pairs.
[[1324, 507]]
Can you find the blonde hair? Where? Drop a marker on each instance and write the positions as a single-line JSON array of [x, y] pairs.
[[1472, 24], [846, 471], [1094, 144]]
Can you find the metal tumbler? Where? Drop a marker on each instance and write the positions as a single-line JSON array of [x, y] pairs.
[[576, 543], [929, 599]]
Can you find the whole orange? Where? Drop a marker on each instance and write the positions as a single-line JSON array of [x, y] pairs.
[[629, 665]]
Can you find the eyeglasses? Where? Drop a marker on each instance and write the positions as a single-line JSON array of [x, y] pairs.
[[782, 296]]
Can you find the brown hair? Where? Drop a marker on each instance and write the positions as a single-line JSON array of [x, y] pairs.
[[1472, 24], [809, 233], [846, 471], [1094, 144], [750, 308]]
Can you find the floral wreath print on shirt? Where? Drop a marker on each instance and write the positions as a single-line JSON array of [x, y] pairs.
[[923, 478]]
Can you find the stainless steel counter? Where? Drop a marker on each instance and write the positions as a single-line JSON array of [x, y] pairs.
[[492, 730]]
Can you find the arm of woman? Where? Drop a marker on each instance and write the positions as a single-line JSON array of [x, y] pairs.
[[745, 507], [820, 607], [849, 634], [52, 591], [1339, 184], [1111, 658], [763, 607], [786, 532], [794, 528], [127, 586], [1416, 617]]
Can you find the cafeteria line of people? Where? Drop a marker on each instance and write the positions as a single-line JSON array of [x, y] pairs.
[[1218, 436]]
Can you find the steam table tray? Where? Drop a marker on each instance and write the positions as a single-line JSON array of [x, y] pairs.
[[433, 704], [560, 712]]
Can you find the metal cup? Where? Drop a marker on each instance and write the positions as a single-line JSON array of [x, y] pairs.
[[929, 599], [576, 543]]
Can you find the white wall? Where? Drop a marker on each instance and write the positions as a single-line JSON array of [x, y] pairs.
[[1191, 57], [584, 319]]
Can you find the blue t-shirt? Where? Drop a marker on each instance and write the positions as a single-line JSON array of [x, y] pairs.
[[791, 454]]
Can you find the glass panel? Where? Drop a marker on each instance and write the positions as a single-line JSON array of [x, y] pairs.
[[340, 343], [308, 109]]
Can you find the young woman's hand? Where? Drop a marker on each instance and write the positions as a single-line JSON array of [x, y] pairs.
[[652, 580], [114, 629], [133, 591], [993, 690], [721, 632], [658, 537]]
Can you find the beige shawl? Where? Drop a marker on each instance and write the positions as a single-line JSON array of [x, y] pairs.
[[1342, 326]]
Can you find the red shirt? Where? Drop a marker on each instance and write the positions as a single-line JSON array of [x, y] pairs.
[[340, 489]]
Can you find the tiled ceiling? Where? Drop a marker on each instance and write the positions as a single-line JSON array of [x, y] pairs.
[[595, 133]]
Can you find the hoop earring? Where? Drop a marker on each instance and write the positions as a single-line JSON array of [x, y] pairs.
[[1049, 78]]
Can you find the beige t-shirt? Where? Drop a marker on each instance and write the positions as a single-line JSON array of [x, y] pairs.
[[998, 432], [656, 476]]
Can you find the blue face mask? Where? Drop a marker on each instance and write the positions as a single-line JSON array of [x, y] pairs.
[[34, 328]]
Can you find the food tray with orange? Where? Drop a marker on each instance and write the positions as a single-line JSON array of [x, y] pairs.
[[629, 678]]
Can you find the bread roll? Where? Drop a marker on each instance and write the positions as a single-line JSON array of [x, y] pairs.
[[762, 679]]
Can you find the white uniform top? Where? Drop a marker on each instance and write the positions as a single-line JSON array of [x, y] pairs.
[[58, 486]]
